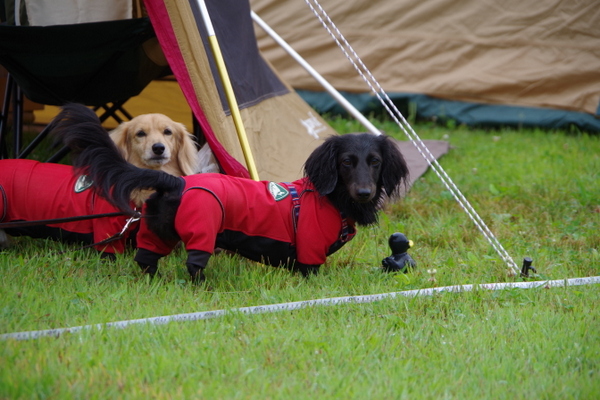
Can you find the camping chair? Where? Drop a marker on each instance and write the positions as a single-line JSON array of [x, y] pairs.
[[98, 64]]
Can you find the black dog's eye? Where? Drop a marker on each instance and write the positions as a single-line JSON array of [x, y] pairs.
[[140, 134], [346, 162], [375, 162], [168, 132]]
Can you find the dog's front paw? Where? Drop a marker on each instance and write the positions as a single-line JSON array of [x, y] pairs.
[[4, 240], [151, 270], [196, 273], [196, 262], [306, 269], [108, 257], [148, 261]]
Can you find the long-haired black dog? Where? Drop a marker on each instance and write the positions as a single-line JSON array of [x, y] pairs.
[[296, 225]]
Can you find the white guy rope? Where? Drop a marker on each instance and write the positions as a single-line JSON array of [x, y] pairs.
[[397, 116], [318, 77], [304, 304]]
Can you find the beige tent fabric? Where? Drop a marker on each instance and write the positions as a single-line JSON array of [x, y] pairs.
[[417, 164], [282, 131], [540, 54]]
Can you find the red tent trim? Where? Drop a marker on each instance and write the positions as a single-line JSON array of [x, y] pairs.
[[159, 16]]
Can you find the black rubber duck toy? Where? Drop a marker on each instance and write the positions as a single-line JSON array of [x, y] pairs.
[[400, 260]]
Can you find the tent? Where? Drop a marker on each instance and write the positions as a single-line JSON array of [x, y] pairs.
[[511, 63], [282, 128]]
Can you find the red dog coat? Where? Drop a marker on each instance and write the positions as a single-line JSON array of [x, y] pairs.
[[31, 191], [254, 219]]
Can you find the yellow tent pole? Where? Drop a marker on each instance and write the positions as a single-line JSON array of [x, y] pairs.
[[233, 106]]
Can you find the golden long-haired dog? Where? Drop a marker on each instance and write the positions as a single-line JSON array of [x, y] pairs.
[[155, 141]]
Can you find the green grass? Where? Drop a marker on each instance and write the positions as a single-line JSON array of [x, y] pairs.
[[538, 191]]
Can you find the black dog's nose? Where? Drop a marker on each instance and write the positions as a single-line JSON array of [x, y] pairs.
[[363, 194], [158, 148]]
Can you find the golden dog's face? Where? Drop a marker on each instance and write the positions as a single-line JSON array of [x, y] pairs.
[[154, 141]]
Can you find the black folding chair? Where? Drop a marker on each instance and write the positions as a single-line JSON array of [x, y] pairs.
[[98, 64]]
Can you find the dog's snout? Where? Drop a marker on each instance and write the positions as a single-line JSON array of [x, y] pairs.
[[364, 194], [158, 148]]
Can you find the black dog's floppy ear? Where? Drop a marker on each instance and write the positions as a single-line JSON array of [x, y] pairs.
[[321, 166], [395, 169]]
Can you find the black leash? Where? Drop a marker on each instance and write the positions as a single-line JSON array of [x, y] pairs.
[[22, 224], [116, 236], [136, 217]]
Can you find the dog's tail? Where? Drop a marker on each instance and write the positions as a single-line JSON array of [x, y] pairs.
[[95, 155]]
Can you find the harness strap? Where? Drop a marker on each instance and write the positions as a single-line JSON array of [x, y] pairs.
[[345, 232], [295, 203], [345, 229]]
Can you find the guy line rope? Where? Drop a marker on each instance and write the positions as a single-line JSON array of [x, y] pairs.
[[269, 308], [397, 116]]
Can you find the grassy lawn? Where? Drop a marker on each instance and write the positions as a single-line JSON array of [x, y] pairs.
[[539, 192]]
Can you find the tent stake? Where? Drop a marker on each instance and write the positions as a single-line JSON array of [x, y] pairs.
[[233, 106]]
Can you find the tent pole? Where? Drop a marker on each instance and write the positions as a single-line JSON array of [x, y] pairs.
[[322, 81], [233, 106]]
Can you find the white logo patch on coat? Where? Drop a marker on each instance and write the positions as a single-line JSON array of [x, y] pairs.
[[83, 183], [278, 191]]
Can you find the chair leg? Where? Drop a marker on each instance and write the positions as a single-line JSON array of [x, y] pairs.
[[37, 140], [17, 120], [13, 95], [56, 157], [109, 112], [4, 117]]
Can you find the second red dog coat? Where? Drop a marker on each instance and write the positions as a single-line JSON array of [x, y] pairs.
[[253, 219], [32, 191]]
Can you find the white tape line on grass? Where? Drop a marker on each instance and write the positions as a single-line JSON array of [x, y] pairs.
[[303, 304]]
